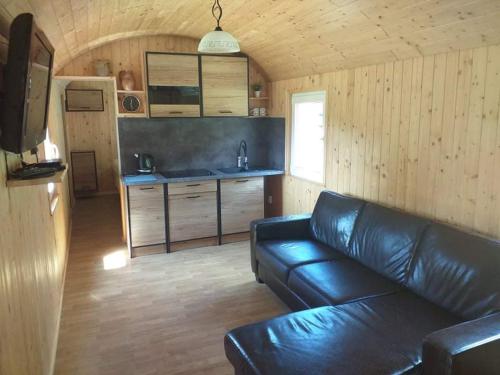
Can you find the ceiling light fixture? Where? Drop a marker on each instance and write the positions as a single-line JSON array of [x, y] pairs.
[[218, 41]]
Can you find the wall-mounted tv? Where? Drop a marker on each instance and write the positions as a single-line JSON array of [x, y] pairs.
[[27, 78]]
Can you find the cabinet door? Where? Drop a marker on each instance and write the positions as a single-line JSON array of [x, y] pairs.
[[172, 70], [192, 187], [83, 166], [225, 85], [192, 216], [147, 215], [242, 200]]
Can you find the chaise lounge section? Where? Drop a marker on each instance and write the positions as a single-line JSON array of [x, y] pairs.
[[374, 291]]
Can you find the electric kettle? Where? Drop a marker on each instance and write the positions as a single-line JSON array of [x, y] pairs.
[[146, 163]]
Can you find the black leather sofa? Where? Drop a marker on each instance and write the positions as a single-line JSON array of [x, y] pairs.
[[375, 291]]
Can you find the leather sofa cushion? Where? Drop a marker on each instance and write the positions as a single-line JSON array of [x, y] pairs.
[[336, 282], [385, 240], [280, 256], [458, 271], [333, 219], [381, 335]]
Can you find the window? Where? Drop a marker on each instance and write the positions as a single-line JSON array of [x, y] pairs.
[[308, 136]]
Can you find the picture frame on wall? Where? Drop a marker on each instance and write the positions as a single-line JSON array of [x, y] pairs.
[[84, 100]]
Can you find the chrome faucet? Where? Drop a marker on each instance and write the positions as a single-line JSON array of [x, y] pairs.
[[243, 160]]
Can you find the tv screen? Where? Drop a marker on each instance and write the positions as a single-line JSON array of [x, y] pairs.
[[27, 86]]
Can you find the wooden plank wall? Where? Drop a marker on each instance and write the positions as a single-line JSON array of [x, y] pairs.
[[96, 131], [421, 134], [127, 54], [33, 253]]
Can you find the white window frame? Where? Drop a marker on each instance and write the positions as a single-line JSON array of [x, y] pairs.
[[298, 97]]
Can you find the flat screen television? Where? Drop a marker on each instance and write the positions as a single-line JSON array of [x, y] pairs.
[[27, 78]]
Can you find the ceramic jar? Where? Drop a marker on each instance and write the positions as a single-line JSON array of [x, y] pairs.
[[127, 80], [102, 68]]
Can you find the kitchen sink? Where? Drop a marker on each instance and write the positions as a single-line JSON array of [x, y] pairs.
[[187, 173], [239, 170]]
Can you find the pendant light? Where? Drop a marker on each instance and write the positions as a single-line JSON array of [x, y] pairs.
[[218, 41]]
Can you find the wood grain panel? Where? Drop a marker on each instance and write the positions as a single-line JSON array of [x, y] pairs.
[[147, 215], [288, 38], [225, 85], [421, 134], [242, 200], [192, 216], [33, 253], [172, 70]]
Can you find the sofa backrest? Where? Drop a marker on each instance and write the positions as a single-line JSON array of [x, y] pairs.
[[457, 271], [385, 240], [333, 219]]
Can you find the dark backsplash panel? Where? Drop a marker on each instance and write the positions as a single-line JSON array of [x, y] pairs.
[[187, 143]]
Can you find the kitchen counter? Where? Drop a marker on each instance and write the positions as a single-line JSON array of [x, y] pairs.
[[157, 178]]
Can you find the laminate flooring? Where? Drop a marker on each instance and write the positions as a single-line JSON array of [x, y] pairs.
[[157, 314]]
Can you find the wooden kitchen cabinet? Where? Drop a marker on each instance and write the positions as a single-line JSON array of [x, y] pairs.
[[146, 215], [172, 69], [192, 210], [242, 200], [173, 85], [224, 85]]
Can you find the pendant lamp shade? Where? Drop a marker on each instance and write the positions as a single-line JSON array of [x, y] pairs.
[[218, 41]]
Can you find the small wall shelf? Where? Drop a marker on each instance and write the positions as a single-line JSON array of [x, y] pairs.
[[141, 112], [259, 98], [57, 177]]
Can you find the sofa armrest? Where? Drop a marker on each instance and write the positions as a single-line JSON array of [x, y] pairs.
[[466, 348], [277, 228]]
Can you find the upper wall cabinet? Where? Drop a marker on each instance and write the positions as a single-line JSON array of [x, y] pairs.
[[173, 85], [172, 70], [225, 85]]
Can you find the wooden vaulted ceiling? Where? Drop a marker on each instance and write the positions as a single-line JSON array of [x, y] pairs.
[[288, 38]]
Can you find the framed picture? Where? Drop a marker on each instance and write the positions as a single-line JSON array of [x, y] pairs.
[[84, 100]]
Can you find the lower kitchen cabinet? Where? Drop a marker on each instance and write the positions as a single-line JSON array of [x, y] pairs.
[[192, 215], [147, 215], [242, 200]]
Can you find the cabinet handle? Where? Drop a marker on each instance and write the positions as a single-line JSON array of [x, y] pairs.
[[148, 188], [225, 111], [241, 180], [192, 185], [194, 197], [175, 112]]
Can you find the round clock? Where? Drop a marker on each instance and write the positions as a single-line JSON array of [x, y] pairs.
[[131, 103]]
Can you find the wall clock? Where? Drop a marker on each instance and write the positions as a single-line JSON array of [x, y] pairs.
[[131, 103]]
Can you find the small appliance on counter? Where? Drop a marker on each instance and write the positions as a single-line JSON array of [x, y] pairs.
[[146, 163]]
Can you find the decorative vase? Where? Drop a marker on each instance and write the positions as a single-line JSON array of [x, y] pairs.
[[127, 80], [257, 94], [102, 68]]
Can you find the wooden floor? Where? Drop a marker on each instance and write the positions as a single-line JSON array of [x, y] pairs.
[[159, 314]]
